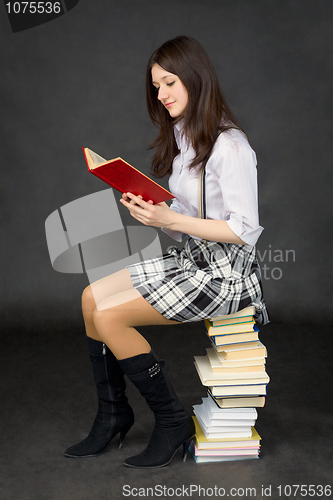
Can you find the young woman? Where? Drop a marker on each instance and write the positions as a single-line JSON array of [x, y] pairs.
[[200, 144]]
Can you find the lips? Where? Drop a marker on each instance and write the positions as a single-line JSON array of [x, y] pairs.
[[168, 104]]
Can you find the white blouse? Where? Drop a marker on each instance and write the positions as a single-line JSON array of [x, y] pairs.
[[231, 184]]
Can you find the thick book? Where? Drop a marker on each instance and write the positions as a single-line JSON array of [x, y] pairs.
[[237, 362], [225, 366], [240, 402], [221, 424], [210, 378], [126, 179], [204, 443], [224, 417], [214, 411], [220, 432]]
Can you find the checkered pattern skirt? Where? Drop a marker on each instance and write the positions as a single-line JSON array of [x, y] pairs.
[[203, 280]]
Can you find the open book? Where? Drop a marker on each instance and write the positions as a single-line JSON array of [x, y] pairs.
[[125, 178]]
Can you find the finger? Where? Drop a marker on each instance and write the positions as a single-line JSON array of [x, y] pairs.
[[125, 198], [133, 202], [137, 200]]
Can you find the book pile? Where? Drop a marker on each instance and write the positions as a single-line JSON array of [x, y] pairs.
[[234, 373]]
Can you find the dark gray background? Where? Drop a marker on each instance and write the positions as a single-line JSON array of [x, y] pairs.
[[79, 81]]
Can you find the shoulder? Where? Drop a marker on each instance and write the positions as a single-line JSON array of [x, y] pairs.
[[233, 139], [232, 152], [233, 143]]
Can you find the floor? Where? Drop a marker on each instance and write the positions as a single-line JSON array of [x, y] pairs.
[[48, 403]]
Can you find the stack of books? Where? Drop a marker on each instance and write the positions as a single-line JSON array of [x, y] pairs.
[[224, 434], [233, 371]]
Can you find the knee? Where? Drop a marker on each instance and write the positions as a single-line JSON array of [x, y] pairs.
[[108, 319], [101, 320], [88, 300]]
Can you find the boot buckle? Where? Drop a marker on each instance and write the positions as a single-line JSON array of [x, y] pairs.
[[154, 370]]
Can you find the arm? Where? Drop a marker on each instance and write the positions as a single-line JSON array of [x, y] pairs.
[[160, 215], [207, 229]]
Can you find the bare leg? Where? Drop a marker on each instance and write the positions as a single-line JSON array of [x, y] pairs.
[[97, 292], [116, 318]]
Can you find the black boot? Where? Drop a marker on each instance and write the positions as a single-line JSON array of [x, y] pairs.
[[114, 413], [173, 425]]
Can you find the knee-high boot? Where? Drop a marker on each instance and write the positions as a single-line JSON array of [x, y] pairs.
[[173, 425], [114, 414]]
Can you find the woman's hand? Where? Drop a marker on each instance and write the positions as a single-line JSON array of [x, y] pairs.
[[159, 215]]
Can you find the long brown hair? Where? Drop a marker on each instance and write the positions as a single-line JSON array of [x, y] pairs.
[[207, 113]]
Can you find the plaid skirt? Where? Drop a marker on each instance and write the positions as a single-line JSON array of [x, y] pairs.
[[204, 280]]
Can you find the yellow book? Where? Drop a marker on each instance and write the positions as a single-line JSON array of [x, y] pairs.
[[238, 353], [219, 365]]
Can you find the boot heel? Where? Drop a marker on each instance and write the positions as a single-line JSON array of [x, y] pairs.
[[122, 435], [186, 445]]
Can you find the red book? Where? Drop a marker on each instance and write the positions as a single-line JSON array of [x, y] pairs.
[[125, 178]]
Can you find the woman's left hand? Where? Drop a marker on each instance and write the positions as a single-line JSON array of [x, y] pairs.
[[159, 215]]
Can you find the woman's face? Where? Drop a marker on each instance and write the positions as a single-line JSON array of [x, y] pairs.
[[170, 90]]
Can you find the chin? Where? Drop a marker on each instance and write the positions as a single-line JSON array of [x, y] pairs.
[[174, 114]]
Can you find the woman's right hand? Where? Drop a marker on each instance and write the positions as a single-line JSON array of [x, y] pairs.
[[126, 198]]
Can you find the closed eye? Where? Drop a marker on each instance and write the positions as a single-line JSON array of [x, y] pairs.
[[170, 84]]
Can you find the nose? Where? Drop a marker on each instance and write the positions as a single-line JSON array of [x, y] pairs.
[[162, 93]]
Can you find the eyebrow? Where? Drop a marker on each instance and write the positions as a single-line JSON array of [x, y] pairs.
[[163, 77]]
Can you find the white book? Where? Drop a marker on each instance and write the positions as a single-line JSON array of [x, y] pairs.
[[201, 413], [214, 411], [225, 432], [226, 452]]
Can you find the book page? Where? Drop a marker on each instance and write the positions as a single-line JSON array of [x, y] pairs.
[[96, 159]]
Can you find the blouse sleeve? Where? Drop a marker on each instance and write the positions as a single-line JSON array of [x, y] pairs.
[[176, 235], [236, 169]]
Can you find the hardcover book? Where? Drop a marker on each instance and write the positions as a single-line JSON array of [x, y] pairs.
[[227, 330], [126, 179], [221, 365], [202, 442], [237, 317], [241, 402]]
